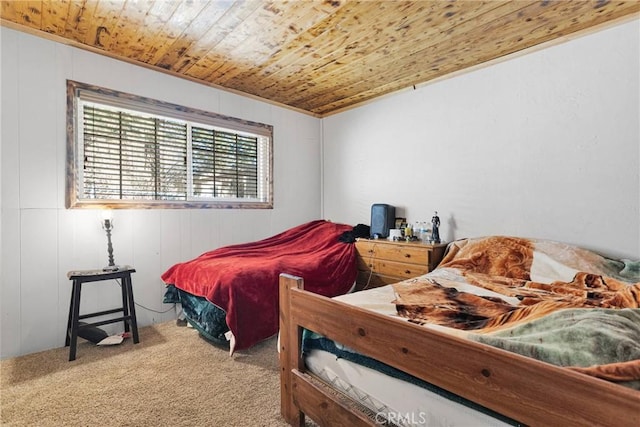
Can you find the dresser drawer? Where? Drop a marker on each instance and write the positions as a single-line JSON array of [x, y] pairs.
[[398, 269], [392, 268], [381, 262], [408, 253]]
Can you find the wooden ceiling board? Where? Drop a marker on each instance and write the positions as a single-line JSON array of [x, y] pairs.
[[250, 42], [308, 47], [101, 28], [372, 62], [26, 13], [52, 20], [315, 56], [187, 33], [331, 51], [465, 45], [293, 20], [212, 56], [466, 50], [124, 35], [318, 41]]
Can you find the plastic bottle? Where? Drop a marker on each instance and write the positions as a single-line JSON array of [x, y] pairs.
[[424, 232]]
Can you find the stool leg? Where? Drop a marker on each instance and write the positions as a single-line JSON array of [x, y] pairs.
[[74, 319], [125, 302], [132, 308], [68, 331]]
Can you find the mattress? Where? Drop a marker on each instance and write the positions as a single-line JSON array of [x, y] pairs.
[[397, 401]]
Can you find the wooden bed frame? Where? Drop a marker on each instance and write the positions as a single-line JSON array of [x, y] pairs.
[[524, 389]]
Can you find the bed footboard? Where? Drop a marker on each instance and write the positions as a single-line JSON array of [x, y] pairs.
[[521, 388], [301, 393]]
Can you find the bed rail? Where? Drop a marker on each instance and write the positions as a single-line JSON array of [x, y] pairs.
[[527, 390]]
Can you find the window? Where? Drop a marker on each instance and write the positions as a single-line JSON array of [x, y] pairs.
[[129, 151]]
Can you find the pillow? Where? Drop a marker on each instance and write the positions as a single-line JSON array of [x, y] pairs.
[[91, 333]]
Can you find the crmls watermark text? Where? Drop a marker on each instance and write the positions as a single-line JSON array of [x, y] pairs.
[[398, 418]]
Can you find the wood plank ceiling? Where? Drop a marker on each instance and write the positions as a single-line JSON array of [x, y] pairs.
[[316, 56]]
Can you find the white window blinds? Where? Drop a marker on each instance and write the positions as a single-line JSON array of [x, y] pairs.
[[131, 156], [125, 154], [224, 164]]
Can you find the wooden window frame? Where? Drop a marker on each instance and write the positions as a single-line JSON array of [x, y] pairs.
[[80, 92]]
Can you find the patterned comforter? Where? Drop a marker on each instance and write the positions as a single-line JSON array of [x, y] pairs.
[[555, 302]]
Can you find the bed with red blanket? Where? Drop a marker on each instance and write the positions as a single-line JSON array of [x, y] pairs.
[[235, 288]]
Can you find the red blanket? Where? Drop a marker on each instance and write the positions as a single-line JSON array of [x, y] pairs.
[[243, 279]]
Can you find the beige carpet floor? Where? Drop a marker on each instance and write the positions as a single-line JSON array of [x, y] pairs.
[[173, 377]]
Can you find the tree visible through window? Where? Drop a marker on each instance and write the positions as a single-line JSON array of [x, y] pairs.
[[127, 150]]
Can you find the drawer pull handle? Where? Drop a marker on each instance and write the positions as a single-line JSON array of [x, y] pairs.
[[407, 255], [407, 272], [370, 251]]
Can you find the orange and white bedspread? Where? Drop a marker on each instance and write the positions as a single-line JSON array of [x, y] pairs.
[[543, 299]]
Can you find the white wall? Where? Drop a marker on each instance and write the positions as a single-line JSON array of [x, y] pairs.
[[42, 241], [544, 145]]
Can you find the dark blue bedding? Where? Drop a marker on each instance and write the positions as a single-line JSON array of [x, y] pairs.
[[205, 317]]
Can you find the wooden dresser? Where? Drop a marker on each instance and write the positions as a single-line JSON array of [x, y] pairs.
[[381, 262]]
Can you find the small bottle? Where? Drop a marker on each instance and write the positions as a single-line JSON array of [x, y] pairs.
[[425, 232], [408, 231]]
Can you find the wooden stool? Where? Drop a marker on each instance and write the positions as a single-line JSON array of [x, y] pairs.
[[128, 308]]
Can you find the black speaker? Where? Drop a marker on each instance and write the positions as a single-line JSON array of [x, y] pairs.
[[383, 219]]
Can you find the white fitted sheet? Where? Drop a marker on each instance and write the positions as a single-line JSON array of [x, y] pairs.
[[403, 403]]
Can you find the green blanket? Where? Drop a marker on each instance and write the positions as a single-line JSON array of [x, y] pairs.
[[575, 338]]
